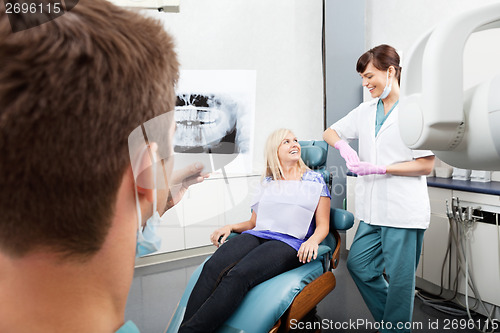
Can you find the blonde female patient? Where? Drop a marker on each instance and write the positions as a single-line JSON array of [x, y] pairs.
[[280, 235]]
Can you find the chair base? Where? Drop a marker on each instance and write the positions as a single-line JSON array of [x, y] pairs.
[[305, 301]]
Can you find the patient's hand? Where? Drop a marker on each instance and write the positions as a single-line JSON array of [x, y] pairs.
[[307, 251], [222, 234], [181, 180]]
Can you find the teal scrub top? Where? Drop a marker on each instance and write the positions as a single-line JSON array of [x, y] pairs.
[[381, 117], [128, 327]]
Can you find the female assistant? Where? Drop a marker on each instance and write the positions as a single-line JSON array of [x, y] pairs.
[[391, 193]]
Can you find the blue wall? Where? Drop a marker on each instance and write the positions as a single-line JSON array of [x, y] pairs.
[[345, 42]]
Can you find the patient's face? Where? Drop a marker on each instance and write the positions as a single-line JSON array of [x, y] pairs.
[[204, 121], [289, 149]]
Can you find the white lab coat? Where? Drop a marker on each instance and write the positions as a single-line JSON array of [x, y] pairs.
[[385, 200]]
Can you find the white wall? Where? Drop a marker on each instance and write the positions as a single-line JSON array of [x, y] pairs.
[[279, 39]]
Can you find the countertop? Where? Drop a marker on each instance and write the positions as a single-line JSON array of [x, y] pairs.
[[465, 185], [492, 188]]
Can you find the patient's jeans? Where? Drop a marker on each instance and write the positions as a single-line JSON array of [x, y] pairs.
[[237, 266]]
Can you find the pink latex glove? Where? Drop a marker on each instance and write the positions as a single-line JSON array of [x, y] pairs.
[[365, 168], [349, 154]]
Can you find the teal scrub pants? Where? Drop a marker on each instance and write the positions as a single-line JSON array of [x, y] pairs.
[[397, 250]]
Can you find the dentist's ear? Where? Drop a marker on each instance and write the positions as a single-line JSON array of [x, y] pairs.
[[144, 186], [392, 71], [145, 180], [145, 193]]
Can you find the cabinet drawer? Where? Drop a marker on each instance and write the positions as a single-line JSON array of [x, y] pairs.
[[489, 202], [438, 197]]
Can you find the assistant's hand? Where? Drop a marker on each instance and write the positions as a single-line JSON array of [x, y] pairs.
[[347, 153], [365, 168], [307, 251], [182, 179], [223, 232]]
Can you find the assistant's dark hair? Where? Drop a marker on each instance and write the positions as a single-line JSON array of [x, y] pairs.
[[382, 57], [71, 91]]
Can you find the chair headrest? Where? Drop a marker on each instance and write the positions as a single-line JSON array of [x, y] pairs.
[[313, 156]]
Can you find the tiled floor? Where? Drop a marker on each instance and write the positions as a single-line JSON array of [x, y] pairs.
[[156, 290]]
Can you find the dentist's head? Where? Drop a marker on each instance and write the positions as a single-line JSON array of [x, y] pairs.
[[380, 71], [71, 92]]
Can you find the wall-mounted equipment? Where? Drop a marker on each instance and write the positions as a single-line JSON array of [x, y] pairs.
[[161, 5], [460, 127]]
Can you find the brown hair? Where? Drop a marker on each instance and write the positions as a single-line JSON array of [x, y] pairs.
[[71, 91], [382, 57]]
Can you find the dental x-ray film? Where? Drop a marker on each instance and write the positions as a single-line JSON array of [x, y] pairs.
[[214, 120]]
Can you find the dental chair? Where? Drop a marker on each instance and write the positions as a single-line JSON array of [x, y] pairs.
[[314, 153], [276, 304]]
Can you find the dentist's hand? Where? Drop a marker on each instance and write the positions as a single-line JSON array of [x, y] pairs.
[[182, 179], [349, 154], [365, 168]]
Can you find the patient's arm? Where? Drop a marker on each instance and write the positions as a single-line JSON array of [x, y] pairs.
[[309, 249], [226, 230]]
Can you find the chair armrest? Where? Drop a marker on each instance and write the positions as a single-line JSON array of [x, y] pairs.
[[341, 219], [322, 249], [336, 253], [232, 235]]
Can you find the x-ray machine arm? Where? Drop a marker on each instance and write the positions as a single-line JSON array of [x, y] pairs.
[[461, 127]]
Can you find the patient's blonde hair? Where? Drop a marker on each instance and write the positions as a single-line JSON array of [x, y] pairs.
[[273, 165]]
